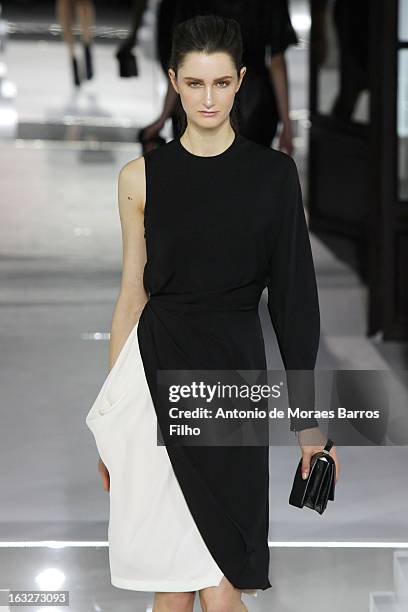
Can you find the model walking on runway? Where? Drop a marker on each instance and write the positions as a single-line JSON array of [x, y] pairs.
[[208, 221]]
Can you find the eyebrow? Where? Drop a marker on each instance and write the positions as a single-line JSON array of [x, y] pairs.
[[227, 76]]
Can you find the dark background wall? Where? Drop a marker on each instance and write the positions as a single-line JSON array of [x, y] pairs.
[[32, 10]]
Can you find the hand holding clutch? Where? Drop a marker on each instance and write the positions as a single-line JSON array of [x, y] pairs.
[[318, 488]]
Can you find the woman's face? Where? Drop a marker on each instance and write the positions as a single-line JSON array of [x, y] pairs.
[[207, 84]]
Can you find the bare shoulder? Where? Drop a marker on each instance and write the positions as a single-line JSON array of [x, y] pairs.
[[132, 183]]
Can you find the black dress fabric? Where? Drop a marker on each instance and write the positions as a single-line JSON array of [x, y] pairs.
[[266, 30], [218, 231]]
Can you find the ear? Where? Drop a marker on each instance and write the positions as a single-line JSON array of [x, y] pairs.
[[241, 76], [172, 77]]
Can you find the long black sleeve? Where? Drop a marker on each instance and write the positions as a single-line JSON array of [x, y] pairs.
[[292, 295]]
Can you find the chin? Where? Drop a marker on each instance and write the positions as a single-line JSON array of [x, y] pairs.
[[211, 122]]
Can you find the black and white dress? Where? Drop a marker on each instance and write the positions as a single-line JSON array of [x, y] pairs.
[[218, 231]]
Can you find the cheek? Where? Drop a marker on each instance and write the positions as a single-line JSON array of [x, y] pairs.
[[191, 97], [227, 97]]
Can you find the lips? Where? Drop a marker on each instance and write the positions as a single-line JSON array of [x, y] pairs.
[[208, 113]]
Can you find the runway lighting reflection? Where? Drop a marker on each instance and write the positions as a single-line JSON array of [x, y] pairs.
[[50, 579], [301, 21], [82, 231]]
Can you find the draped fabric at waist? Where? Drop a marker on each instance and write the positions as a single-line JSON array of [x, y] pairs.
[[244, 298]]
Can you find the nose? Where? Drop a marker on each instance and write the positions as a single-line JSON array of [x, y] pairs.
[[208, 97]]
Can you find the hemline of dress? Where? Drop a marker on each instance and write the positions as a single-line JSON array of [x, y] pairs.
[[163, 585], [168, 586]]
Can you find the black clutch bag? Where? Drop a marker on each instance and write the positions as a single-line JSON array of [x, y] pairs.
[[318, 488], [127, 63]]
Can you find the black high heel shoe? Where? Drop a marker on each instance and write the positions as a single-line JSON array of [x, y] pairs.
[[128, 66], [75, 72], [88, 61]]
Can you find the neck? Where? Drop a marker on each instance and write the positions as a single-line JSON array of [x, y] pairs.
[[207, 141]]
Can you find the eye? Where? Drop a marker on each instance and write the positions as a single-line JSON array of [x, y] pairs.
[[223, 83]]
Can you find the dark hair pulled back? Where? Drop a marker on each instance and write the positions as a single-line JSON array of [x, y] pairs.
[[208, 34]]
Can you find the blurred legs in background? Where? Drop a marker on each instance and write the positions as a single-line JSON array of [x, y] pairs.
[[67, 11]]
